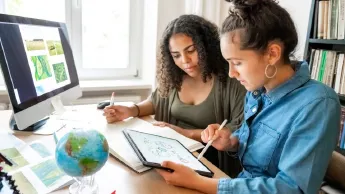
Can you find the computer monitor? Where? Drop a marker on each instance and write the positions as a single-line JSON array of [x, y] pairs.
[[38, 68]]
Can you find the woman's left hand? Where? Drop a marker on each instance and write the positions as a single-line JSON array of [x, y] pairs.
[[182, 176], [174, 127]]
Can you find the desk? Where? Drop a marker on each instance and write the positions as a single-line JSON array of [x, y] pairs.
[[115, 175]]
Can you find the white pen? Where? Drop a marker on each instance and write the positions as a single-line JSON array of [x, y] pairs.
[[211, 141], [112, 99]]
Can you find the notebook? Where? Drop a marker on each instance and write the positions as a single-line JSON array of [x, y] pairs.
[[121, 149], [34, 169], [118, 144]]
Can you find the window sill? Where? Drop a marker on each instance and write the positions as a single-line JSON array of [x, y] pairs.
[[105, 85]]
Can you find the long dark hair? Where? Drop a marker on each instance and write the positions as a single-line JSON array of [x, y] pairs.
[[262, 21], [205, 37]]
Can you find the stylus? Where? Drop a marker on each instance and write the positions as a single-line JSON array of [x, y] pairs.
[[211, 141]]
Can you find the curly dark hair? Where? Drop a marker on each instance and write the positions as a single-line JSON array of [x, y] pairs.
[[205, 37], [262, 21]]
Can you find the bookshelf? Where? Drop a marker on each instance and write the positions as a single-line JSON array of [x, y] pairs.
[[325, 41], [314, 42]]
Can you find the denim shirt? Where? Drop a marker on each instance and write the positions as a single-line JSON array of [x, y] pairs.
[[287, 137]]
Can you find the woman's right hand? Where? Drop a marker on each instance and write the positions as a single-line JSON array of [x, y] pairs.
[[222, 139], [117, 113]]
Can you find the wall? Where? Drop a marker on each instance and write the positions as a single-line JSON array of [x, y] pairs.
[[158, 13], [299, 11]]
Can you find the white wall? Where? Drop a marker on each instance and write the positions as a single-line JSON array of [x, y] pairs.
[[157, 17], [209, 9], [224, 11], [299, 11]]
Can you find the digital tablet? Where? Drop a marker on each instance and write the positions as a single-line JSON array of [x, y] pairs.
[[152, 150]]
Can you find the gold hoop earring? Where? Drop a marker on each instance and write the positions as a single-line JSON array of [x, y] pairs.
[[275, 72]]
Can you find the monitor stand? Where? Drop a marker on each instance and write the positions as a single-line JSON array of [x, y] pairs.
[[44, 126]]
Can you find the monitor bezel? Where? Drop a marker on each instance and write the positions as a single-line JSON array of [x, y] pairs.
[[11, 19]]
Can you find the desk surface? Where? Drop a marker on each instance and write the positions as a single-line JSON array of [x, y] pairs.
[[115, 175]]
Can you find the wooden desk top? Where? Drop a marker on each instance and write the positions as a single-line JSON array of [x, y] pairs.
[[115, 175]]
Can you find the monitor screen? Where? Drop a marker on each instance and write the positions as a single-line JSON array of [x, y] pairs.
[[38, 67], [39, 62]]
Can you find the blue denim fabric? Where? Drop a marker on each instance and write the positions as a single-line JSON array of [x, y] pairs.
[[287, 138]]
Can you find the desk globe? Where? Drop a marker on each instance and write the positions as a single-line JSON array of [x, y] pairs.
[[81, 153]]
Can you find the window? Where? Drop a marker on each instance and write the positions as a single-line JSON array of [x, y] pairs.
[[105, 35], [29, 9]]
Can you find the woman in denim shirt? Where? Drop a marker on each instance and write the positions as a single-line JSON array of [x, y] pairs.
[[291, 122]]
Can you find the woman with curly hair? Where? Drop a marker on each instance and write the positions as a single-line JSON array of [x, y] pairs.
[[291, 122], [193, 87]]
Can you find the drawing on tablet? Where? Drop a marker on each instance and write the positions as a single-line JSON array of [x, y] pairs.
[[162, 149], [156, 149]]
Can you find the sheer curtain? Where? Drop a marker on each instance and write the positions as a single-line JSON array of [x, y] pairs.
[[212, 10]]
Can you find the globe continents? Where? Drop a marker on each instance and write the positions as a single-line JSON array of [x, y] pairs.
[[82, 152]]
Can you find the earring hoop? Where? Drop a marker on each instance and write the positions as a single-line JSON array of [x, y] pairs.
[[275, 72]]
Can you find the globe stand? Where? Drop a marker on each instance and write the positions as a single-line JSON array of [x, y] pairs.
[[84, 185]]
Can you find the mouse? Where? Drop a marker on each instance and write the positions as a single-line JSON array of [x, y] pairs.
[[103, 104]]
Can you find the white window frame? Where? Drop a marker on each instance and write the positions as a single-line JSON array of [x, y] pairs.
[[74, 24], [2, 6]]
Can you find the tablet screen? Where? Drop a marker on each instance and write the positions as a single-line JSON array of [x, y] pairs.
[[156, 149]]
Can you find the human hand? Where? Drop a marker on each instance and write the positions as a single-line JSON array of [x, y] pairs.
[[222, 140], [116, 113], [180, 175]]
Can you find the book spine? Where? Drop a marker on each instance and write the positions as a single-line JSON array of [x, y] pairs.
[[321, 21], [315, 63], [333, 19], [325, 20], [322, 66], [338, 72], [342, 79], [331, 70], [341, 20], [316, 20]]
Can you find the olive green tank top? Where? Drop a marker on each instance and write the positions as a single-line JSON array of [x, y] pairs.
[[194, 116]]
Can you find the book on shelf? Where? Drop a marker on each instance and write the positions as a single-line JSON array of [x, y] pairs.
[[121, 149], [34, 169], [329, 19], [327, 66]]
